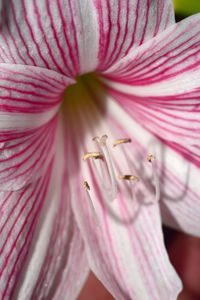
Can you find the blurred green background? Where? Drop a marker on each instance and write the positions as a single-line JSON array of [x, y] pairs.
[[184, 8]]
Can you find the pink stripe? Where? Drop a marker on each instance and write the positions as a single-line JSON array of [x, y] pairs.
[[150, 54], [146, 23], [45, 149], [19, 32], [163, 269], [125, 32], [30, 232], [75, 46], [62, 53], [12, 37], [111, 56], [5, 200], [51, 264], [32, 35], [108, 236], [145, 263], [135, 27], [72, 58], [106, 255], [12, 210], [8, 47], [38, 16]]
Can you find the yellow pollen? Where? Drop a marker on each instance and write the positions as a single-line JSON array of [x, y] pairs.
[[99, 157], [150, 158], [121, 141], [86, 185], [129, 177], [95, 155]]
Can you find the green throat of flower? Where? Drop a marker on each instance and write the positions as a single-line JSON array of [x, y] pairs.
[[82, 91]]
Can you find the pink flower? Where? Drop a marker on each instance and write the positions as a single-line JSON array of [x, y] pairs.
[[147, 90]]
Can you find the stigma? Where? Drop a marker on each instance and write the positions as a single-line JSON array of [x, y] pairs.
[[102, 143]]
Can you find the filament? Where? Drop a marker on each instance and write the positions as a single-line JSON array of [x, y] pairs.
[[102, 143], [87, 189], [151, 159]]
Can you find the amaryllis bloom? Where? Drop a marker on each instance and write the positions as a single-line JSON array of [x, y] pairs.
[[99, 144]]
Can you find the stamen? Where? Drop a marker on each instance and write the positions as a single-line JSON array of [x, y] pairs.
[[102, 143], [129, 177], [99, 157], [87, 188], [121, 141], [95, 155], [151, 159]]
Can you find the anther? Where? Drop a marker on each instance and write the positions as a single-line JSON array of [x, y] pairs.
[[129, 177], [99, 157], [102, 143], [121, 141], [92, 154], [87, 188], [86, 185], [151, 159]]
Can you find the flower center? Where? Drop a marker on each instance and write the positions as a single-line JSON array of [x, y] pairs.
[[84, 109], [80, 93]]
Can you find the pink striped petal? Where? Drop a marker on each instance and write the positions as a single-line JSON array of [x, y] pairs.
[[180, 205], [124, 25], [179, 185], [126, 251], [39, 238], [159, 85], [74, 37], [29, 102], [50, 34]]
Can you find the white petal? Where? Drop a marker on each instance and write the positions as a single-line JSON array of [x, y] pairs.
[[79, 36], [40, 241], [180, 189], [29, 101], [126, 251]]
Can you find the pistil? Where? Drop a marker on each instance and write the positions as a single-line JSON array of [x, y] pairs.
[[102, 142]]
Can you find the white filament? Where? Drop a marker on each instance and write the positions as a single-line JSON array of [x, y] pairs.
[[101, 173], [110, 170], [133, 193], [156, 181], [94, 213]]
